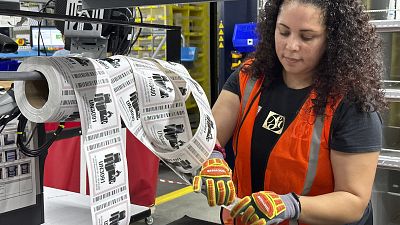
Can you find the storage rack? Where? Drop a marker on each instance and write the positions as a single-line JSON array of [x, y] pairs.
[[194, 21], [385, 194]]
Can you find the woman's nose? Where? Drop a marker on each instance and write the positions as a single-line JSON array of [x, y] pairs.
[[292, 44]]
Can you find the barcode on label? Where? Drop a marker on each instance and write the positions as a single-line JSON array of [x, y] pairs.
[[173, 76], [69, 102], [164, 115], [110, 203], [145, 66], [91, 83], [194, 152], [86, 74], [153, 108], [120, 76], [200, 146], [155, 117], [123, 85], [110, 193], [68, 92], [104, 143], [162, 107], [102, 134]]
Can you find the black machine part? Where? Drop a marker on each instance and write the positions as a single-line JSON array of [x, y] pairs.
[[7, 45], [117, 34]]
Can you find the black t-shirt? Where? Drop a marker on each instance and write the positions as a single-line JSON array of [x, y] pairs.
[[352, 131]]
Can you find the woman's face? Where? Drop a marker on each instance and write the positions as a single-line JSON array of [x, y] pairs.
[[300, 38]]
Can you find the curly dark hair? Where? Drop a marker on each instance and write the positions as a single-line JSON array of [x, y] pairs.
[[352, 65]]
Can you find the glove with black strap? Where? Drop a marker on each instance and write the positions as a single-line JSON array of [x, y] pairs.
[[217, 177], [266, 207]]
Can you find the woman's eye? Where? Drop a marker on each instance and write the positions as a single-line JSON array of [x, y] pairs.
[[285, 34], [307, 38]]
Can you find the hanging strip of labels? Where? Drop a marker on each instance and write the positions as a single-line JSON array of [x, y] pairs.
[[148, 94]]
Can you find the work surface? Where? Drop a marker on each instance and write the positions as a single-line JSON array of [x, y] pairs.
[[67, 208]]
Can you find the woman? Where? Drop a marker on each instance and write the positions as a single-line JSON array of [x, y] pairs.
[[304, 117]]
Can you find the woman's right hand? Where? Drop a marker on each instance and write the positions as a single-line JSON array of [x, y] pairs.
[[215, 180]]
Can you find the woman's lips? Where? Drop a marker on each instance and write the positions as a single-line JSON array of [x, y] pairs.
[[291, 60]]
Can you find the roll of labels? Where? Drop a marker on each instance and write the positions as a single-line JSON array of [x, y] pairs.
[[148, 94]]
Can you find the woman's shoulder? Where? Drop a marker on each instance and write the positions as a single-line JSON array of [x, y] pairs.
[[355, 130], [348, 108]]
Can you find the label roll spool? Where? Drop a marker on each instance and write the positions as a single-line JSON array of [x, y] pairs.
[[150, 95], [77, 87], [49, 100]]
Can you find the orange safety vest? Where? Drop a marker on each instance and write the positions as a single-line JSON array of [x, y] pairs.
[[300, 160]]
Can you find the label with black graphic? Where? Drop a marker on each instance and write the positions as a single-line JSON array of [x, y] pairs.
[[101, 132]]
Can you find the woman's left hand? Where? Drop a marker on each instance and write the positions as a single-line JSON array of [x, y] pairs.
[[266, 207]]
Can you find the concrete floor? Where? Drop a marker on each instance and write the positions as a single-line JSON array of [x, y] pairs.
[[193, 204]]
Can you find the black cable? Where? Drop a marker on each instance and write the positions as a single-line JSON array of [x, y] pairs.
[[46, 5], [138, 33], [123, 37], [39, 35], [132, 31], [6, 119], [41, 38], [40, 150], [39, 26], [32, 134]]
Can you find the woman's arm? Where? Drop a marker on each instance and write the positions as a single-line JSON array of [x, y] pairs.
[[225, 112], [354, 175]]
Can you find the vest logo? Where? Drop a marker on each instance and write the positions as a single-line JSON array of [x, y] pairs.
[[274, 122]]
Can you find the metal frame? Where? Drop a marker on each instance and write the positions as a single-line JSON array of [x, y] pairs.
[[104, 4], [9, 4], [37, 15], [174, 45], [214, 53], [173, 32], [386, 25]]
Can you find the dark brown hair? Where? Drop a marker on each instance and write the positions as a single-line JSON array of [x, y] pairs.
[[352, 65]]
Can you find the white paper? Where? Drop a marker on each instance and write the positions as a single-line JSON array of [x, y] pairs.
[[150, 97], [82, 83]]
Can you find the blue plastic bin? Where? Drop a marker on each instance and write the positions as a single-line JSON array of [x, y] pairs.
[[9, 65], [245, 37], [188, 54]]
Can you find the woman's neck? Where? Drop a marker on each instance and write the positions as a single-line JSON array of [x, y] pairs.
[[297, 81]]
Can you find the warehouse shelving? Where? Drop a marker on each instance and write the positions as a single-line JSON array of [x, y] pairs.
[[385, 17], [194, 20]]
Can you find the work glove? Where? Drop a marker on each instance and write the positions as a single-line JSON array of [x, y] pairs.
[[266, 207], [217, 177]]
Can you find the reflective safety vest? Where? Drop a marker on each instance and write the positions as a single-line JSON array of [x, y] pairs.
[[300, 160]]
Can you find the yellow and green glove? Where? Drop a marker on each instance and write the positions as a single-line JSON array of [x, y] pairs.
[[266, 207], [216, 176]]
